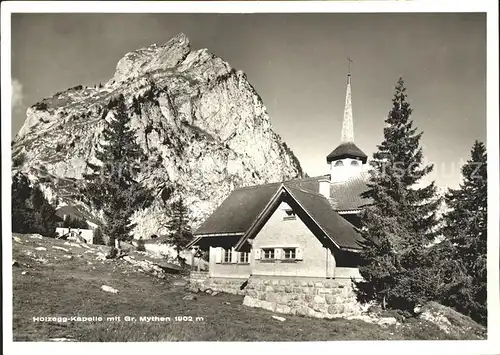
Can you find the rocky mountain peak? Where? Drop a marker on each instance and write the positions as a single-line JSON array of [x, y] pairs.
[[148, 60], [200, 123]]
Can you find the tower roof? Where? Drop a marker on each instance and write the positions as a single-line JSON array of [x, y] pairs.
[[347, 150]]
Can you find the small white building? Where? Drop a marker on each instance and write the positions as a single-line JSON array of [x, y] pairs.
[[78, 234], [89, 234]]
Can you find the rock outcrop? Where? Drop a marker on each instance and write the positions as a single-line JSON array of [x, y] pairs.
[[452, 322], [201, 124]]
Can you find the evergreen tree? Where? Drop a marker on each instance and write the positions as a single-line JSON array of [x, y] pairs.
[[465, 232], [31, 212], [45, 214], [75, 223], [23, 215], [112, 186], [178, 226], [402, 219]]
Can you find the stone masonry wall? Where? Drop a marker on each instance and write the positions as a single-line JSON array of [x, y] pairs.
[[198, 276], [202, 281], [320, 298]]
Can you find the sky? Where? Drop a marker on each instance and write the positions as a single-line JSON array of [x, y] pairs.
[[297, 63]]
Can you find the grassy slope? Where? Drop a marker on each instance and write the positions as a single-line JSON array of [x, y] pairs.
[[64, 287]]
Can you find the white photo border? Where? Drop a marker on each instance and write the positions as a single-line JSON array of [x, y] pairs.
[[489, 346]]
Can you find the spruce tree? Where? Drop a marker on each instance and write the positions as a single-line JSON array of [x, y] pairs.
[[401, 220], [178, 226], [76, 223], [465, 232], [112, 186], [45, 214], [23, 216], [31, 212]]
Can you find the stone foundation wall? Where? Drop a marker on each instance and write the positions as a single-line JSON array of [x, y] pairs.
[[320, 298], [198, 276], [220, 284]]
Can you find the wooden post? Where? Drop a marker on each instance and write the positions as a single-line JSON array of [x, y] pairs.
[[199, 260], [192, 258]]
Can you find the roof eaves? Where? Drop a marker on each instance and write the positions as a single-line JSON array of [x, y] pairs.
[[353, 250], [348, 211], [192, 243], [203, 235]]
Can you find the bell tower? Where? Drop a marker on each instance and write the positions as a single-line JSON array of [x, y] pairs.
[[347, 159]]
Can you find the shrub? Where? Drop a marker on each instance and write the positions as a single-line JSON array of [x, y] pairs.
[[113, 252], [40, 106], [18, 160], [98, 237], [140, 245]]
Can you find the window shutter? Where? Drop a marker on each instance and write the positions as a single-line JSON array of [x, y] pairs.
[[234, 255], [218, 255], [257, 254], [278, 253], [298, 254]]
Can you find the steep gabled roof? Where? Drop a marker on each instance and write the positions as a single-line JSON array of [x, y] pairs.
[[340, 231], [347, 150], [243, 212], [344, 196], [238, 211], [233, 218], [317, 208]]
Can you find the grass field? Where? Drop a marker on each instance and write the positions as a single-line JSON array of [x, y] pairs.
[[55, 285]]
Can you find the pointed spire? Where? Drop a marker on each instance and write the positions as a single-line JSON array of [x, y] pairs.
[[347, 134], [347, 148]]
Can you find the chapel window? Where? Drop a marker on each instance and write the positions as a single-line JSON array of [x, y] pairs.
[[268, 254], [289, 253], [227, 256], [243, 257]]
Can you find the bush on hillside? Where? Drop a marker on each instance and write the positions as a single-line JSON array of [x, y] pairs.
[[18, 160], [140, 245]]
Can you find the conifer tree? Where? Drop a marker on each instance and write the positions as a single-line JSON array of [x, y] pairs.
[[401, 220], [75, 223], [140, 245], [45, 214], [31, 212], [112, 186], [22, 214], [178, 226], [465, 232]]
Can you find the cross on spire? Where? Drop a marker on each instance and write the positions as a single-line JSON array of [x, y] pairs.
[[349, 61]]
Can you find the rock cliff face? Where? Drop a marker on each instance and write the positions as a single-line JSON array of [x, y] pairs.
[[200, 122]]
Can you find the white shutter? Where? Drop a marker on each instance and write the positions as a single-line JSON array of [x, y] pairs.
[[256, 254], [298, 254], [278, 253], [218, 255], [234, 255]]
